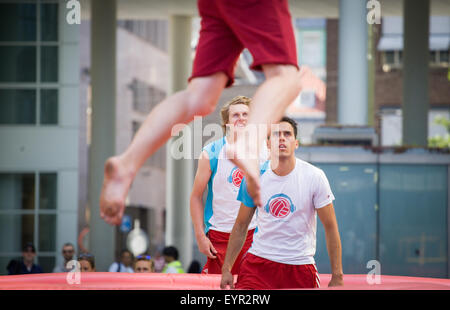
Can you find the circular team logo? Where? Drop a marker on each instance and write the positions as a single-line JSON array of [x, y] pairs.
[[279, 206], [236, 177]]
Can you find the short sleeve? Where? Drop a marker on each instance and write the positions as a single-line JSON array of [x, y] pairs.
[[244, 196], [322, 195], [213, 150]]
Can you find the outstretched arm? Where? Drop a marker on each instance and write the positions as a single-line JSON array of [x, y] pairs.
[[328, 219], [196, 205], [235, 243]]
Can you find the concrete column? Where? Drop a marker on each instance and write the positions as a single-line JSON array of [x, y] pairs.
[[416, 19], [179, 172], [103, 81], [371, 50], [352, 63]]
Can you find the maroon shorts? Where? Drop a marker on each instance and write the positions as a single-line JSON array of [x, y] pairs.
[[257, 273], [220, 242], [264, 27]]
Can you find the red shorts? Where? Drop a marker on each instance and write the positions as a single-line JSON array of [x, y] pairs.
[[257, 273], [264, 27], [220, 242]]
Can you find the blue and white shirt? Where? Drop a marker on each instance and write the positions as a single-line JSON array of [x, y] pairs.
[[222, 207], [287, 220]]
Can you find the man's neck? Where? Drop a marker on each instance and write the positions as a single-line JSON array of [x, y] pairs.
[[28, 264], [285, 166]]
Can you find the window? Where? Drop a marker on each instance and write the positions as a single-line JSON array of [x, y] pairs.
[[29, 49], [439, 59], [391, 60], [17, 106], [394, 59], [28, 214]]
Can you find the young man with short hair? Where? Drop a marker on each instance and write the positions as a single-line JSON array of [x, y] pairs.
[[214, 221], [282, 253], [144, 264]]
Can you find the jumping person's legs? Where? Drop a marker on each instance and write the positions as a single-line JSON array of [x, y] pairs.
[[199, 98], [265, 28], [271, 99], [217, 51], [226, 29]]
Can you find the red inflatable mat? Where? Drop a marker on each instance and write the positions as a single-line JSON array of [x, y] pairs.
[[158, 281]]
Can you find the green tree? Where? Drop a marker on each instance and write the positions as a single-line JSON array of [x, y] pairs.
[[441, 141]]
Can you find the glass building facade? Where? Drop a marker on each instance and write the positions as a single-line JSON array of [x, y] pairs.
[[38, 130]]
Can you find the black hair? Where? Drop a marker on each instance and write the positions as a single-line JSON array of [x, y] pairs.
[[29, 245], [170, 251], [292, 122], [125, 251]]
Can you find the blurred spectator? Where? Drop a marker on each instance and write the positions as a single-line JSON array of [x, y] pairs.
[[194, 267], [158, 259], [144, 264], [87, 262], [68, 252], [125, 263], [173, 265], [26, 265]]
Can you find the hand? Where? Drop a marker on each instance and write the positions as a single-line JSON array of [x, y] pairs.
[[336, 280], [205, 246], [227, 280]]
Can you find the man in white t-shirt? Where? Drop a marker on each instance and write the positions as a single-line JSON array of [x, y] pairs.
[[214, 220], [293, 192]]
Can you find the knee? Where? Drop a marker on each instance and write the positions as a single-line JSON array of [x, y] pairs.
[[289, 74], [199, 104]]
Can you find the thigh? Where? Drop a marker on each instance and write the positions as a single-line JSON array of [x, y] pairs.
[[265, 29], [218, 48], [205, 90]]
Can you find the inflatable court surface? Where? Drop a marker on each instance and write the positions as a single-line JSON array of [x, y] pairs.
[[157, 281]]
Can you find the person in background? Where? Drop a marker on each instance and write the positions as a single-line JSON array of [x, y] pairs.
[[144, 264], [125, 263], [158, 259], [26, 265], [194, 267], [87, 262], [173, 265], [68, 252]]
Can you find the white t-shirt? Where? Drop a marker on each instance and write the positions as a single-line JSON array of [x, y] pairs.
[[222, 207], [287, 221]]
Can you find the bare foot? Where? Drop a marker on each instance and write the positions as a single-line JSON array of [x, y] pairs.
[[116, 183], [248, 162]]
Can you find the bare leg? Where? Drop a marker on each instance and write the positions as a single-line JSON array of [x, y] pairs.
[[200, 98], [270, 101]]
